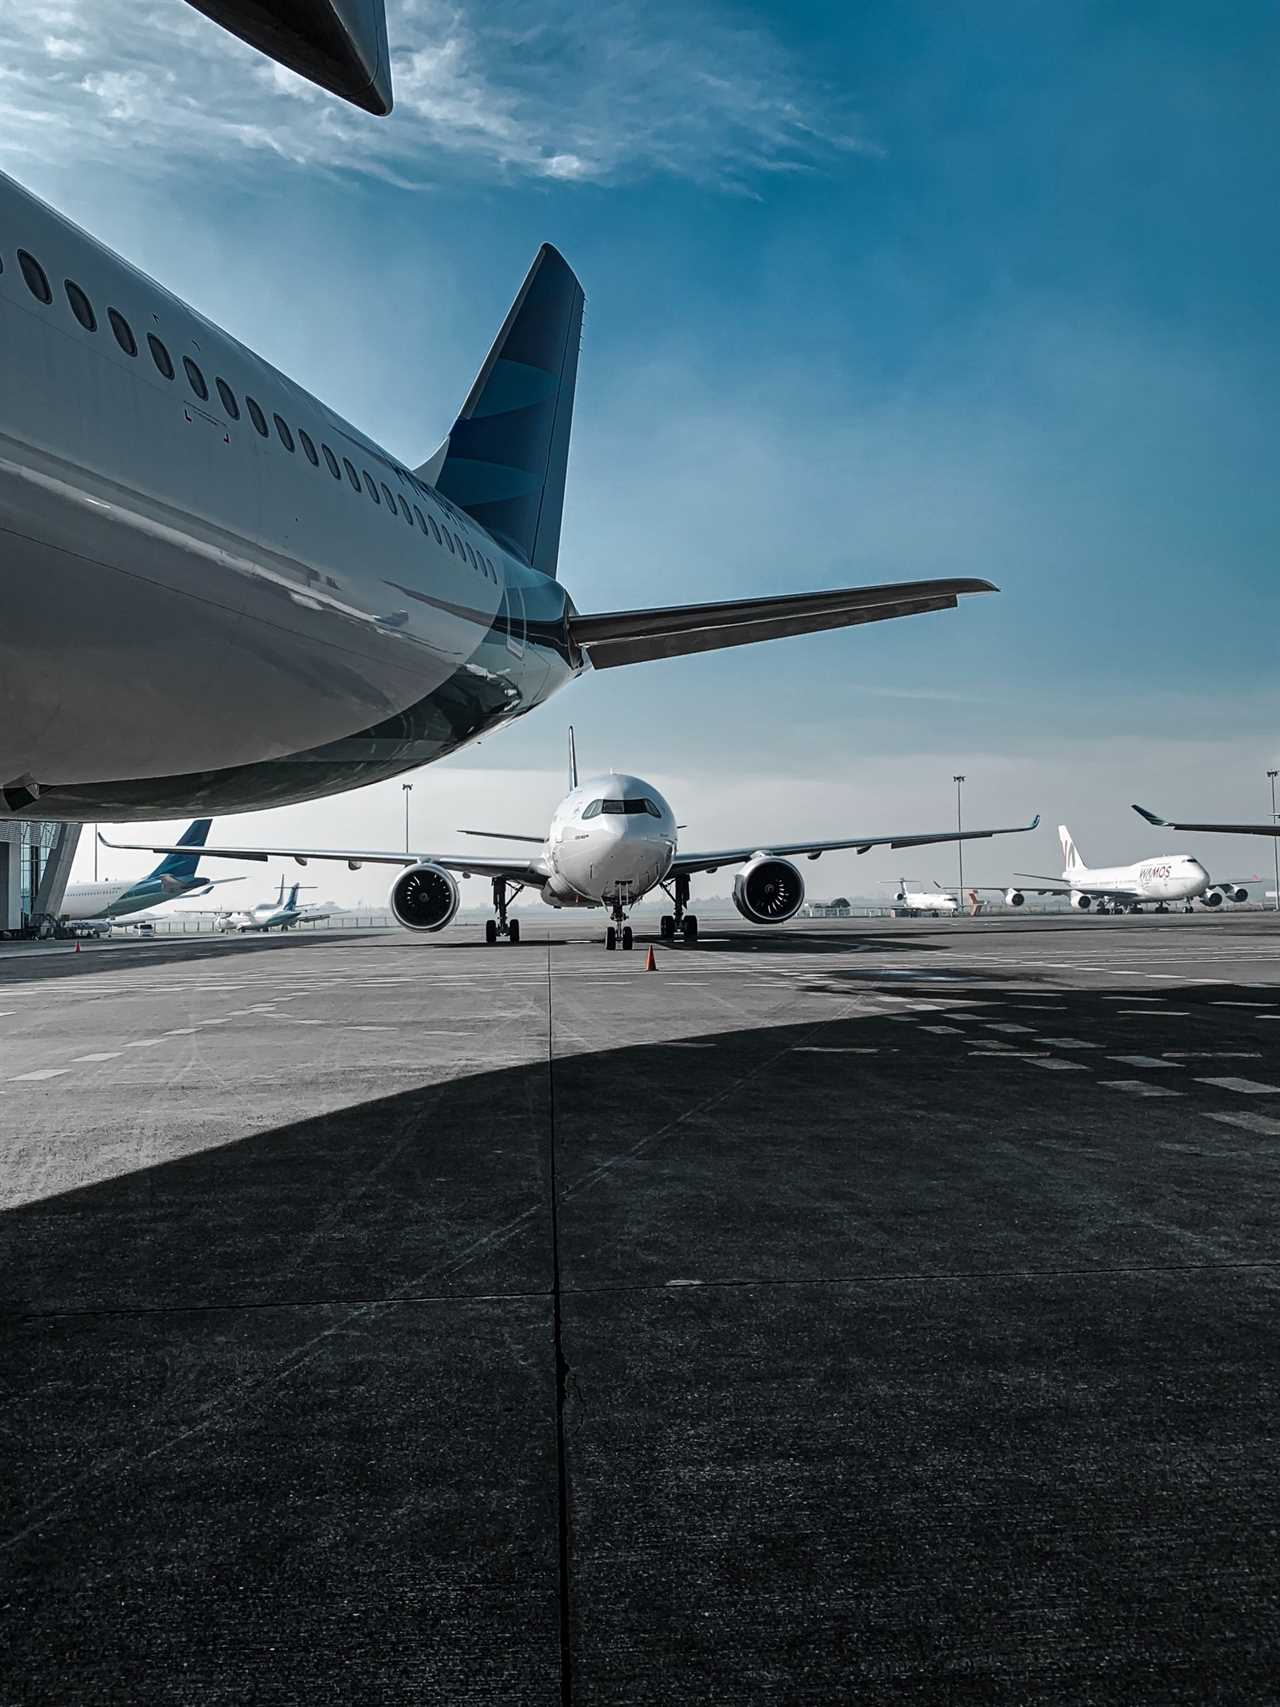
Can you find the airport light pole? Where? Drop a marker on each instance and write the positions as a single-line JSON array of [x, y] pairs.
[[407, 790], [1275, 840], [958, 780]]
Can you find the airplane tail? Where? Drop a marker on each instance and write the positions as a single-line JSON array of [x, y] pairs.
[[293, 895], [184, 864], [505, 459], [1071, 860]]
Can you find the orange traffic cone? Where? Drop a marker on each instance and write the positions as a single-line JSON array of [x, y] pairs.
[[77, 947], [651, 964]]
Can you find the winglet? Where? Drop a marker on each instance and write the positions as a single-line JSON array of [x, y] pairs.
[[1035, 823], [1161, 823]]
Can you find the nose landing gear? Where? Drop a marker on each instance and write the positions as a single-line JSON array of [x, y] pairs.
[[502, 926]]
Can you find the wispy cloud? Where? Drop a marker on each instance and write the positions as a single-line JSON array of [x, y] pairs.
[[553, 90]]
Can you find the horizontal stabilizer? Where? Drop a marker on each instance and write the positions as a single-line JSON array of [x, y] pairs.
[[673, 631]]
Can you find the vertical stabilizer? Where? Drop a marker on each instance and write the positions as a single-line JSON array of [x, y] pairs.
[[1071, 860], [507, 454], [184, 864]]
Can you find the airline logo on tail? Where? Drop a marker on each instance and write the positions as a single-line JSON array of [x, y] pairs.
[[1071, 860]]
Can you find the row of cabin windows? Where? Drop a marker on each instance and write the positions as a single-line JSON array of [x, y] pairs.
[[37, 282]]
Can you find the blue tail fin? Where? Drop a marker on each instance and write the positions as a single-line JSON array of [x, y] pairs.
[[505, 460], [293, 896], [182, 864]]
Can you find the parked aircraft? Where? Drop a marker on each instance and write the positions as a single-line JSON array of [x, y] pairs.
[[1125, 888], [278, 915], [221, 595], [174, 877], [339, 44], [612, 840], [935, 901]]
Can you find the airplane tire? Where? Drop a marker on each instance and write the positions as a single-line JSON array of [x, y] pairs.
[[628, 940], [491, 931], [667, 927], [610, 939], [690, 928], [513, 932]]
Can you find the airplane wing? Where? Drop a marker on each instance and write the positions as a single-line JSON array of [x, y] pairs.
[[1272, 829], [672, 631], [531, 872], [689, 863], [1093, 889]]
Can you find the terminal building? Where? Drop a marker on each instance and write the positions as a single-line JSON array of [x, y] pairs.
[[35, 863]]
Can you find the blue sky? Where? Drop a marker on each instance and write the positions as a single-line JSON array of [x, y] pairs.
[[874, 292]]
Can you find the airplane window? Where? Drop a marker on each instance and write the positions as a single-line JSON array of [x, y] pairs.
[[307, 446], [81, 307], [160, 356], [421, 520], [371, 486], [255, 415], [471, 554], [406, 511], [387, 494], [448, 539], [196, 379], [462, 550], [228, 399], [34, 273], [593, 811], [352, 476], [282, 428], [622, 808], [332, 460], [435, 530], [123, 331]]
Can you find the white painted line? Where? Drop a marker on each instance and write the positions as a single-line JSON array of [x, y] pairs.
[[1246, 1087], [1251, 1123], [183, 1031], [808, 1048], [106, 1055], [145, 1043], [1215, 1054], [1137, 1088], [44, 1073], [1068, 1043], [1144, 1061], [1004, 1025], [1221, 1004], [1053, 1066], [1155, 1013], [943, 1030]]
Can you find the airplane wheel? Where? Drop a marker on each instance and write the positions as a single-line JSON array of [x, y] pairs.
[[666, 927], [513, 932], [491, 931], [611, 939], [690, 928], [627, 939]]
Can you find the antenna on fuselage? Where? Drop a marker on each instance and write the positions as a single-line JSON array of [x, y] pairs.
[[573, 760]]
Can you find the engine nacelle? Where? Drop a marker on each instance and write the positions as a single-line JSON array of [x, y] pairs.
[[1082, 903], [423, 898], [1014, 898], [768, 891], [1211, 898], [1237, 895]]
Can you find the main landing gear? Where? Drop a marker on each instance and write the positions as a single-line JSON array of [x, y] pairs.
[[679, 923], [502, 926]]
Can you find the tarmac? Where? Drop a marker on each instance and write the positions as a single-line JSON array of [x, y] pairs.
[[867, 1312]]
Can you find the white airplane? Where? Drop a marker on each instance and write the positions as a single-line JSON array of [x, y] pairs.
[[102, 903], [278, 915], [222, 596], [339, 44], [612, 840], [1125, 888], [935, 901]]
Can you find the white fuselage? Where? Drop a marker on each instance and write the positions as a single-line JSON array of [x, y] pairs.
[[1169, 877], [611, 855], [921, 901]]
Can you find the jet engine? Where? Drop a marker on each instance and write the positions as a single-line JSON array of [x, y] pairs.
[[1014, 898], [423, 898], [768, 891], [1237, 895], [1211, 898], [1081, 903]]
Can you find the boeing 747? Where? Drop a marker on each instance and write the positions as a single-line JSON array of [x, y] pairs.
[[1169, 878]]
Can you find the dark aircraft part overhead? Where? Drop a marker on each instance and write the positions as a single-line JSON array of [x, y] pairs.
[[339, 44]]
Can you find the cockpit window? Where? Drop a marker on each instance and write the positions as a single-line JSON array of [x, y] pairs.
[[622, 808]]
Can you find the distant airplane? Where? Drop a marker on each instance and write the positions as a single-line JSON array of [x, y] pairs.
[[339, 44], [221, 596], [174, 878], [611, 841], [282, 914], [935, 901], [1125, 888]]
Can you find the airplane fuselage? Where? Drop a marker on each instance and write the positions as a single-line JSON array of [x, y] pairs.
[[1171, 877], [612, 840], [84, 901], [302, 612]]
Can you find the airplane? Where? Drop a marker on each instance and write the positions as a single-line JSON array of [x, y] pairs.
[[278, 915], [339, 44], [612, 840], [935, 901], [222, 596], [1125, 888], [175, 876], [1271, 829]]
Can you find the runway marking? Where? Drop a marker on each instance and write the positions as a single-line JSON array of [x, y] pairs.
[[1215, 1054], [1137, 1088], [1142, 1061], [1067, 1043], [43, 1073], [1005, 1025], [943, 1030], [1053, 1066], [1222, 1004], [183, 1031], [1246, 1087], [819, 1048], [1251, 1123], [145, 1043], [1155, 1013], [103, 1055]]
